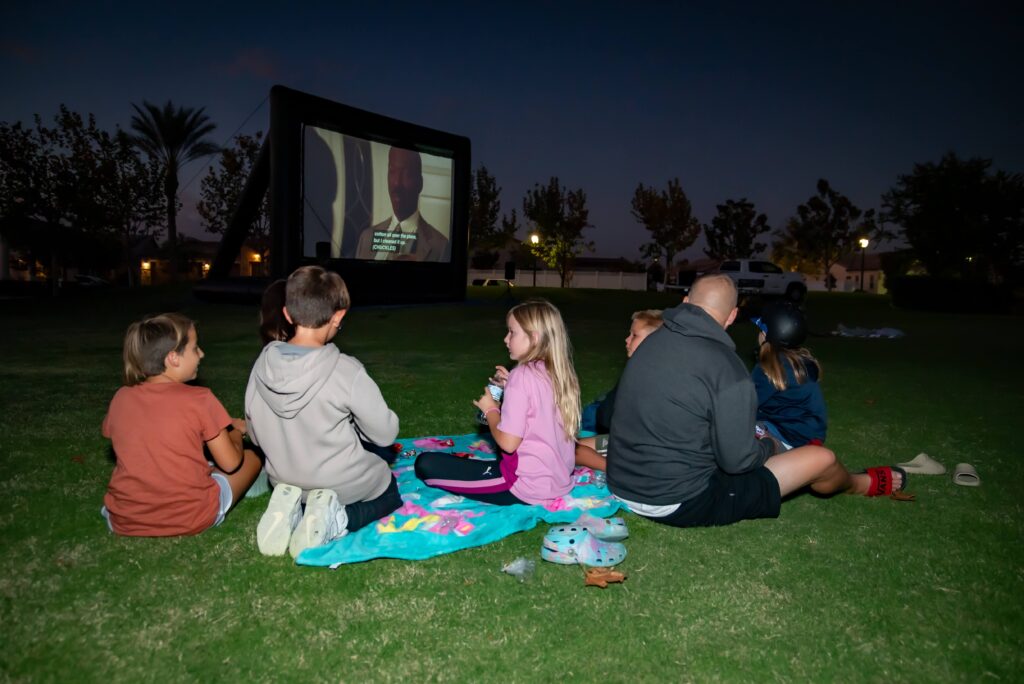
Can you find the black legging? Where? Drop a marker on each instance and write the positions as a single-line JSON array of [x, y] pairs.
[[488, 481]]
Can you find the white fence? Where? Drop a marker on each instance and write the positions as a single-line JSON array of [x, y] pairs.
[[601, 280]]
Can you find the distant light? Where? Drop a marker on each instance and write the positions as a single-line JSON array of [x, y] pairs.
[[255, 258], [535, 239], [864, 242], [206, 267], [145, 266]]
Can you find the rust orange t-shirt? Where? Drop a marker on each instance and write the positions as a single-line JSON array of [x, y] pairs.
[[161, 484]]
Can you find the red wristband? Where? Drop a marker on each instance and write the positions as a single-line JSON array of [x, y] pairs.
[[492, 408]]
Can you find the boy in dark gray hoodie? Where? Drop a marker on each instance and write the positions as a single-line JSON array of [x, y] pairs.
[[310, 408], [683, 450]]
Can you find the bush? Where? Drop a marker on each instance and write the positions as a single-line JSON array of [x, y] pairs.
[[928, 293]]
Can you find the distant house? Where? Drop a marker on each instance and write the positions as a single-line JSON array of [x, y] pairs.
[[847, 275], [197, 255]]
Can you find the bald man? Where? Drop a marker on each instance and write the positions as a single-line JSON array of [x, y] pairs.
[[682, 449], [406, 236]]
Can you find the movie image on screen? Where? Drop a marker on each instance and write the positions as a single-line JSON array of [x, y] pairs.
[[372, 201]]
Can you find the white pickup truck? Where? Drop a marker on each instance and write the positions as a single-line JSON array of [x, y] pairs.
[[763, 277]]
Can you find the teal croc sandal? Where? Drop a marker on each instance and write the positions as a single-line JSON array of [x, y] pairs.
[[563, 534], [605, 529], [610, 529], [580, 548]]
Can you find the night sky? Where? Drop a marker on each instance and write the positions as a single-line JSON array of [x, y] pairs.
[[755, 100]]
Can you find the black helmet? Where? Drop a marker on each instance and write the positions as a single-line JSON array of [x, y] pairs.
[[783, 325]]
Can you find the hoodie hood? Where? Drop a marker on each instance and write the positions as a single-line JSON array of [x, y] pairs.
[[287, 380], [690, 320]]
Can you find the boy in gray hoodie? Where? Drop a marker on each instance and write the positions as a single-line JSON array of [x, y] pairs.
[[316, 413]]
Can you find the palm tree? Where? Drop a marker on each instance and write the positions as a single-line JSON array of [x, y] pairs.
[[174, 137]]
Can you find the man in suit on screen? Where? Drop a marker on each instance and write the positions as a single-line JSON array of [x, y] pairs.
[[405, 236]]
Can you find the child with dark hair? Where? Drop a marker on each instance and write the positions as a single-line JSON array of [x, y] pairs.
[[790, 405], [310, 408], [162, 484], [274, 327]]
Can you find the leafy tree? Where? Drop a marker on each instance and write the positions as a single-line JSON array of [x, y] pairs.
[[174, 137], [22, 171], [668, 215], [27, 175], [117, 191], [898, 263], [108, 193], [786, 253], [825, 230], [1005, 252], [221, 190], [734, 230], [132, 195], [656, 273], [486, 236], [68, 191], [560, 216], [959, 218], [50, 185]]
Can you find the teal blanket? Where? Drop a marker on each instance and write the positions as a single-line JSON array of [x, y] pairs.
[[432, 522]]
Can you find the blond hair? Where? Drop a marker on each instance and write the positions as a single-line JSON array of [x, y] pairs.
[[549, 342], [771, 360], [148, 342], [652, 318]]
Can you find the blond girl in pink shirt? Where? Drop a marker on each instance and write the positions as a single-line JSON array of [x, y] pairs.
[[535, 426]]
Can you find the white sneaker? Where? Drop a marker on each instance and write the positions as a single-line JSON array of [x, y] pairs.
[[282, 515], [324, 520]]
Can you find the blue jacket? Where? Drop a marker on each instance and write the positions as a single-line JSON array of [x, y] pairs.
[[797, 411]]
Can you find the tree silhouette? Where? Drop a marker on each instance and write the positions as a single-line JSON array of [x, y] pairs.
[[825, 230], [734, 230], [485, 234], [222, 186], [560, 216], [668, 215], [959, 218], [173, 136], [73, 194]]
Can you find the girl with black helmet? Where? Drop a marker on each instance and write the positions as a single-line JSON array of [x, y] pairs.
[[790, 405]]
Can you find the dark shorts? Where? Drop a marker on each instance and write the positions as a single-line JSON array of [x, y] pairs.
[[729, 499]]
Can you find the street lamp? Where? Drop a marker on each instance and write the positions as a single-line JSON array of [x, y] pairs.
[[863, 250], [534, 240]]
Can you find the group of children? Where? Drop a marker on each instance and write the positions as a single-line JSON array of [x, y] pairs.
[[325, 431]]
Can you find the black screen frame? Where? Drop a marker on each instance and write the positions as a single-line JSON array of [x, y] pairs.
[[369, 282]]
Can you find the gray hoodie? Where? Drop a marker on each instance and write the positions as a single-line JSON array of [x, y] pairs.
[[307, 409], [685, 408]]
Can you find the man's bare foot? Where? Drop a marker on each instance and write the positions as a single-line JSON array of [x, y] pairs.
[[879, 481]]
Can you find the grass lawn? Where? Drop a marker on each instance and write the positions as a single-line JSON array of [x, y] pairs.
[[847, 589]]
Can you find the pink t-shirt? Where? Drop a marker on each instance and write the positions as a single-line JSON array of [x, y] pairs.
[[546, 454]]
